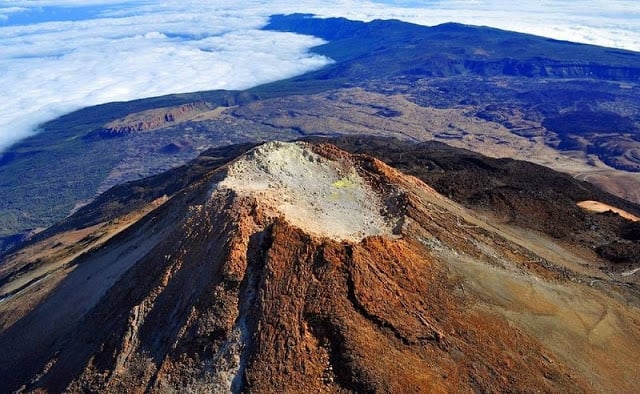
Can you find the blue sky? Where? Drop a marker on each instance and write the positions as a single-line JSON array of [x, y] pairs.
[[57, 56], [51, 14]]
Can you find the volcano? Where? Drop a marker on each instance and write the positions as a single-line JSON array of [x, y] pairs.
[[299, 267]]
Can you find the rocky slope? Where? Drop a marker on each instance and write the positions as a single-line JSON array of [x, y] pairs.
[[301, 268]]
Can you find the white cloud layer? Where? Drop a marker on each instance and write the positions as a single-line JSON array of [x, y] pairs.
[[61, 55]]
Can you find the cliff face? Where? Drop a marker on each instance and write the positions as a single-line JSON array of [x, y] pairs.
[[300, 268], [152, 119]]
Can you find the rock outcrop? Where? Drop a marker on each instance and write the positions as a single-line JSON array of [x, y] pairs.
[[152, 119]]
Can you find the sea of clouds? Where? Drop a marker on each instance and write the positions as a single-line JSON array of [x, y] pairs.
[[60, 55]]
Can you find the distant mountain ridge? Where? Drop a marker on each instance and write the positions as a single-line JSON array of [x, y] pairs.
[[452, 49]]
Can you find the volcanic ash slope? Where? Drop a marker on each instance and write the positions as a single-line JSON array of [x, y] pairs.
[[301, 268]]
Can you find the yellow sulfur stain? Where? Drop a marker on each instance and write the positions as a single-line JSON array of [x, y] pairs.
[[343, 183]]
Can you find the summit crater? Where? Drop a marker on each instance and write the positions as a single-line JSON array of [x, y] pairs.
[[323, 195]]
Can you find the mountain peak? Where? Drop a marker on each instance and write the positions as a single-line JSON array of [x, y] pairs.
[[260, 276]]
